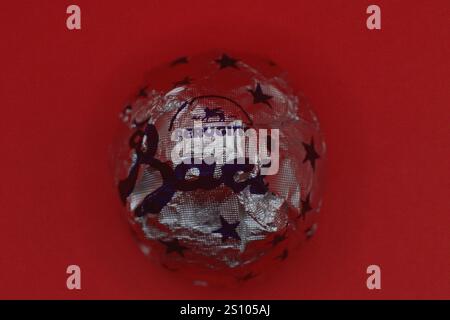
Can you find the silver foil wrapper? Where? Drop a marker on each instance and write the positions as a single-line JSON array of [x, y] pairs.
[[219, 221]]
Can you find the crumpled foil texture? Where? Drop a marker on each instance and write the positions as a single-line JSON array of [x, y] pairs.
[[208, 229]]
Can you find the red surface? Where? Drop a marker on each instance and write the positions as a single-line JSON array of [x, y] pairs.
[[382, 97]]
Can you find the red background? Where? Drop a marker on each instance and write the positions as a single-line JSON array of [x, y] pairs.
[[382, 98]]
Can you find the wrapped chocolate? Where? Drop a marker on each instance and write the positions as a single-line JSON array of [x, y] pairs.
[[219, 166]]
